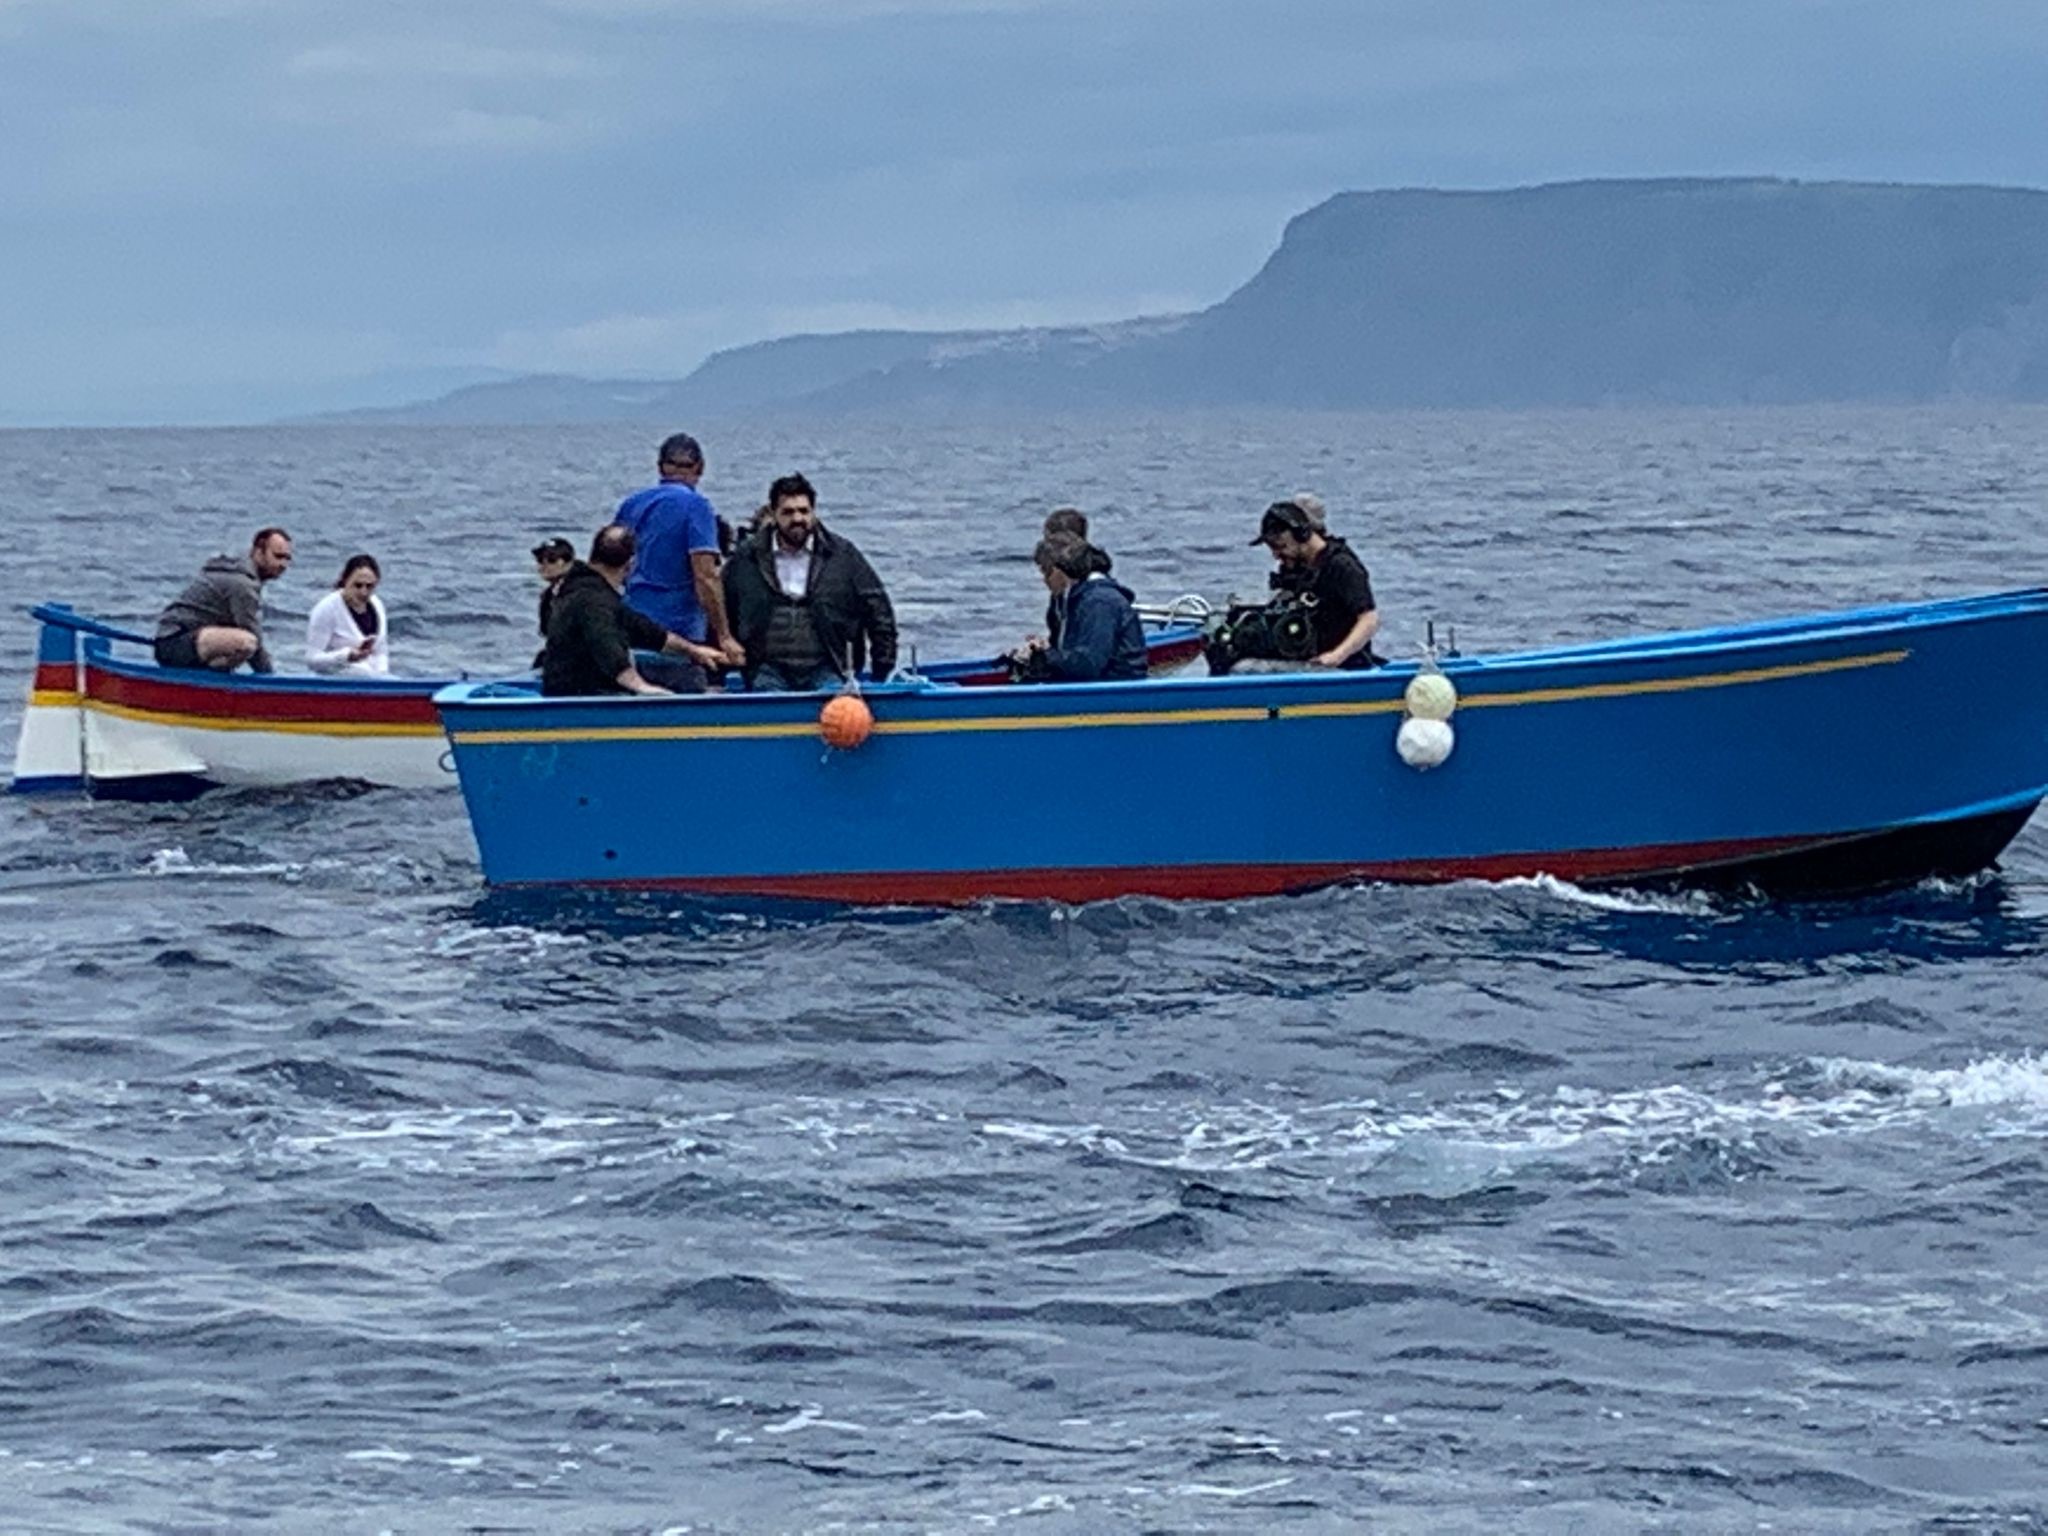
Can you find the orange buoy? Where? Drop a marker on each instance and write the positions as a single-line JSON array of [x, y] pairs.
[[846, 721]]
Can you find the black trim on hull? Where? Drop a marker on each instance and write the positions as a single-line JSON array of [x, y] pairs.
[[1859, 862], [152, 788]]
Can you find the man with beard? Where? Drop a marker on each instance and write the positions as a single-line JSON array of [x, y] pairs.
[[1319, 565], [805, 605], [217, 621]]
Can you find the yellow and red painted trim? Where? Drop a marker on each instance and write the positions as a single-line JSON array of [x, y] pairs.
[[1215, 715], [197, 706]]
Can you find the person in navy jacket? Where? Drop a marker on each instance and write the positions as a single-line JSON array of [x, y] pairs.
[[1101, 638]]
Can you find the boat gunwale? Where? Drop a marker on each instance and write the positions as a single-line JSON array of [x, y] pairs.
[[1279, 691]]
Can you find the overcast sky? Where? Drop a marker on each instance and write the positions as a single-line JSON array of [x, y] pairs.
[[227, 209]]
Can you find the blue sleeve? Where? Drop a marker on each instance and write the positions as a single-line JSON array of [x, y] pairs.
[[700, 527], [1087, 641]]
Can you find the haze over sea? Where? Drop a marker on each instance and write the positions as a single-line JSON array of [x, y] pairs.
[[338, 1194]]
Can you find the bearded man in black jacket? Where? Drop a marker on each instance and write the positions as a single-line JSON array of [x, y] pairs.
[[804, 603]]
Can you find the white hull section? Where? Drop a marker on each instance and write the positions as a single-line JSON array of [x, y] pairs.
[[123, 746], [49, 754]]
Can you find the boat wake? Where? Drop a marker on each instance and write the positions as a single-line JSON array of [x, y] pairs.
[[1682, 904], [1668, 1136], [1480, 1141]]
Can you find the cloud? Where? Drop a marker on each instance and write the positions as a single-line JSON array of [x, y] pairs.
[[440, 59], [619, 186]]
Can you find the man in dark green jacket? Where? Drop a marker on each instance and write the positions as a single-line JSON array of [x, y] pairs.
[[804, 603]]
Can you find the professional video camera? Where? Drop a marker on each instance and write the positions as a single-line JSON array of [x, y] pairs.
[[1279, 629]]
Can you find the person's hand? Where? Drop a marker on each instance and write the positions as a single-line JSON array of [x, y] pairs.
[[707, 657], [733, 652], [363, 648], [1328, 659]]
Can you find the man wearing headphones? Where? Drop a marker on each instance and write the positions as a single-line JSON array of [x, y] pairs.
[[1323, 567]]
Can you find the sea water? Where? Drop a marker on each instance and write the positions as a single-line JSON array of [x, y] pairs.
[[337, 1193]]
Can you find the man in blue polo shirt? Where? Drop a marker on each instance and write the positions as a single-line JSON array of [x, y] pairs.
[[675, 580]]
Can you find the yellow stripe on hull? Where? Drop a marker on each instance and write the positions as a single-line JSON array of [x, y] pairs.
[[1217, 716], [276, 727]]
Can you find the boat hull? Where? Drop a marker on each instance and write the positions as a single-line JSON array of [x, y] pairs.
[[120, 727], [1832, 753]]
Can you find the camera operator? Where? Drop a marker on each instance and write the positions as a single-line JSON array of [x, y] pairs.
[[1315, 564]]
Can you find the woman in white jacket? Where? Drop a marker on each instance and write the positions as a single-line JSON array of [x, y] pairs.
[[346, 631]]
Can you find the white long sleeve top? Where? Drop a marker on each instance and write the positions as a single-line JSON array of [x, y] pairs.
[[331, 633]]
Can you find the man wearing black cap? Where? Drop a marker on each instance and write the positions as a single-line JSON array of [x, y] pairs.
[[552, 558], [1318, 565]]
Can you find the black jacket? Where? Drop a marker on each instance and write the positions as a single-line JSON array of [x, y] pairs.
[[849, 609], [591, 636], [1101, 637]]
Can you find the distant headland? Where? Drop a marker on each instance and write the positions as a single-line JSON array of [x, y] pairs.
[[1681, 292]]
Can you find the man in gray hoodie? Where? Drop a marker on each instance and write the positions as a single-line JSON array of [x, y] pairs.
[[217, 621]]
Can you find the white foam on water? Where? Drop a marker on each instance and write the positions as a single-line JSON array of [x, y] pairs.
[[1477, 1140], [1225, 1491], [510, 942], [2017, 1085], [459, 1140], [168, 862], [1693, 904], [812, 1417]]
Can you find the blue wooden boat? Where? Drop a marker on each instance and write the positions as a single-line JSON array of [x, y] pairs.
[[103, 717], [1826, 753]]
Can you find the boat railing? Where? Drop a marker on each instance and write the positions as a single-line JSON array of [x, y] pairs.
[[64, 618], [1188, 608]]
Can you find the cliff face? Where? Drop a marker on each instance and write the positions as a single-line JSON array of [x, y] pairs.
[[1695, 292], [1708, 292]]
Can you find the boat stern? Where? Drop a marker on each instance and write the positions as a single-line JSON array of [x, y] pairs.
[[49, 755]]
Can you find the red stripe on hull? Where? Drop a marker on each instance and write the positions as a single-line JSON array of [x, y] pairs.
[[1213, 882], [1173, 655], [55, 677], [200, 700]]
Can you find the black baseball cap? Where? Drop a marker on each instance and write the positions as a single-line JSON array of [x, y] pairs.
[[554, 549], [1284, 517]]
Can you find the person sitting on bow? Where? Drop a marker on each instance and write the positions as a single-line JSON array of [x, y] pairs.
[[348, 630], [217, 621]]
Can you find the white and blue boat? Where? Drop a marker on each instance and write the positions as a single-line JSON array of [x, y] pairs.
[[104, 718], [1832, 752]]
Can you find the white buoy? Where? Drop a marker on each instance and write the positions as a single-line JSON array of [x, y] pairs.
[[1430, 696], [1424, 743]]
